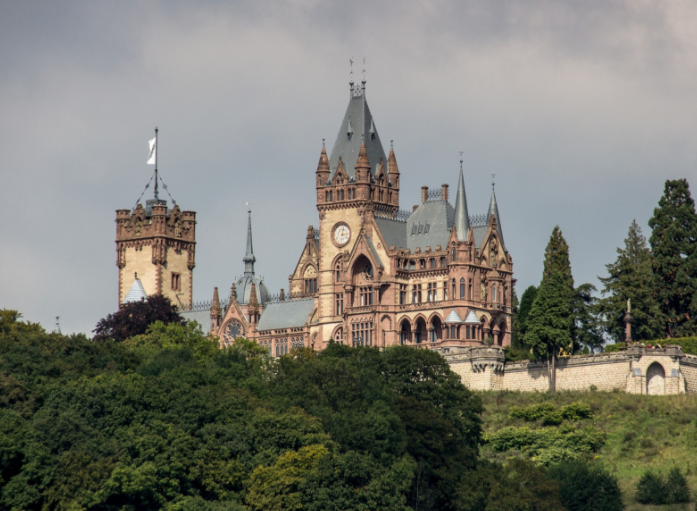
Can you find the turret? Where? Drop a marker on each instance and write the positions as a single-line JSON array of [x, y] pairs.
[[462, 222], [216, 312], [322, 168], [363, 173]]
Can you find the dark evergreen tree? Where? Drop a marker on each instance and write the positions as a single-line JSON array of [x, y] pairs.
[[549, 322], [586, 486], [524, 308], [585, 329], [673, 240], [630, 278], [557, 259], [134, 318]]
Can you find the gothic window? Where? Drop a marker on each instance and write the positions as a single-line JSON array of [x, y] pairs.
[[366, 296], [402, 294], [469, 292], [339, 336], [467, 332], [453, 332], [338, 272], [297, 342], [267, 345], [443, 262], [281, 347], [433, 335], [454, 253], [176, 281], [233, 329], [493, 293], [416, 293], [454, 294], [431, 292], [462, 288], [362, 334], [339, 304], [433, 262], [445, 290], [310, 286]]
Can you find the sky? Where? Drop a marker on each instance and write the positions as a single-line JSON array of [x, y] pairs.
[[581, 109]]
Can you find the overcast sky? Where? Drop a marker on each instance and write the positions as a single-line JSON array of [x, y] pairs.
[[581, 109]]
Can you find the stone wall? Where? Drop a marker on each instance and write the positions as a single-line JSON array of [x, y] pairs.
[[636, 370]]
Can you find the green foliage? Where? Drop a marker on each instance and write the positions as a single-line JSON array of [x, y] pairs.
[[652, 489], [585, 329], [557, 260], [518, 486], [549, 321], [526, 302], [517, 353], [547, 445], [631, 277], [174, 336], [612, 348], [586, 486], [673, 240], [134, 318], [678, 489]]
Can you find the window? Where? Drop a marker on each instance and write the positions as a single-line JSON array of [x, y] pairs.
[[445, 290], [467, 332], [267, 345], [402, 294], [362, 334], [310, 286], [416, 293], [493, 293], [431, 292], [433, 335], [366, 296], [453, 332], [462, 288], [453, 255], [339, 304], [281, 347], [443, 262], [176, 281], [469, 290], [338, 272], [454, 293], [433, 262], [422, 264]]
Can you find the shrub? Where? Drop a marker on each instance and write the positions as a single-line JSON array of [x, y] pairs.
[[678, 490], [550, 414], [614, 347], [576, 411], [533, 412], [586, 486], [652, 489]]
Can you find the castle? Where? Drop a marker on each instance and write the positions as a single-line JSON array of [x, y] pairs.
[[369, 274], [373, 274]]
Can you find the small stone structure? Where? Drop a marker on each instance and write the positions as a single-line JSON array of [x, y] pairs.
[[635, 370]]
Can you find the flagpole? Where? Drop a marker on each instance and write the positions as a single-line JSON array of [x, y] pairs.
[[156, 191]]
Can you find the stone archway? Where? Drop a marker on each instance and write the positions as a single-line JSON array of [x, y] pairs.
[[655, 380], [405, 331]]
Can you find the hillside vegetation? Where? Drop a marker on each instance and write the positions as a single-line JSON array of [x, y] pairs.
[[627, 433]]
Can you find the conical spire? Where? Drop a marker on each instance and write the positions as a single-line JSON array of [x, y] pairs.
[[215, 306], [249, 258], [253, 302], [494, 210], [363, 164], [392, 167], [462, 219], [323, 165]]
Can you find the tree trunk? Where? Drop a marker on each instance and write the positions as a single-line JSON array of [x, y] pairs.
[[551, 371]]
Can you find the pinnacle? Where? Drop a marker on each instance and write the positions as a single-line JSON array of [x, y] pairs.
[[363, 162], [323, 165], [216, 300], [392, 167]]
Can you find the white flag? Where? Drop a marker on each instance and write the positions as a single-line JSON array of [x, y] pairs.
[[153, 152]]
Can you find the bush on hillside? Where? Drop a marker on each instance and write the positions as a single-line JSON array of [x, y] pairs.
[[586, 486], [550, 414], [655, 488]]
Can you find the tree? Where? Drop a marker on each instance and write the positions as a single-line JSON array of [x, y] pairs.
[[673, 240], [549, 322], [134, 318], [526, 302], [586, 486], [557, 259], [585, 329], [631, 278]]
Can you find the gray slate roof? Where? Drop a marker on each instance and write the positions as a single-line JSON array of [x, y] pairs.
[[202, 316], [358, 126], [136, 293], [286, 314], [375, 252], [453, 318], [472, 319], [394, 232], [430, 225]]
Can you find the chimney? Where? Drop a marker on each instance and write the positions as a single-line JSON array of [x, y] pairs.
[[445, 192], [283, 295], [416, 206], [424, 193]]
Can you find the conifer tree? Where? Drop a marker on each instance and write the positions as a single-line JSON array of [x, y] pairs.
[[524, 308], [549, 322], [557, 259], [630, 278], [673, 240]]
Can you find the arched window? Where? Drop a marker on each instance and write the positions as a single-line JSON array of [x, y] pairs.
[[454, 253], [469, 291], [454, 293], [462, 288], [493, 293], [338, 272]]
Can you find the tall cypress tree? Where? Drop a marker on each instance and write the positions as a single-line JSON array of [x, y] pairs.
[[557, 259], [549, 322], [630, 277], [524, 310], [673, 240]]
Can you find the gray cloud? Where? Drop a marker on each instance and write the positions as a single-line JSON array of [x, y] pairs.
[[582, 109]]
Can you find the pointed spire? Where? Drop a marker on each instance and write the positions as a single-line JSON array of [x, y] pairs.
[[363, 162], [462, 219], [215, 306], [253, 302], [494, 210], [392, 167], [233, 294], [323, 165], [249, 258]]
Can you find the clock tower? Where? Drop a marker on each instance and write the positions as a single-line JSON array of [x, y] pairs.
[[352, 184]]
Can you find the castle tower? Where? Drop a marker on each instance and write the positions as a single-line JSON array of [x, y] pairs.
[[159, 245]]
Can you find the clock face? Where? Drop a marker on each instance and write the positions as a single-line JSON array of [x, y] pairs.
[[342, 234]]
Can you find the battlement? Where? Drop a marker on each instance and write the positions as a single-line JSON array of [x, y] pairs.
[[161, 222]]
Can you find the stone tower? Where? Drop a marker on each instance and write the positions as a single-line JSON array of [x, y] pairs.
[[158, 244]]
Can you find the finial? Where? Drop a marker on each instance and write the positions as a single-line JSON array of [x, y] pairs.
[[493, 181], [58, 324], [136, 275], [461, 159], [391, 144], [249, 206], [363, 82], [323, 144], [351, 72]]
